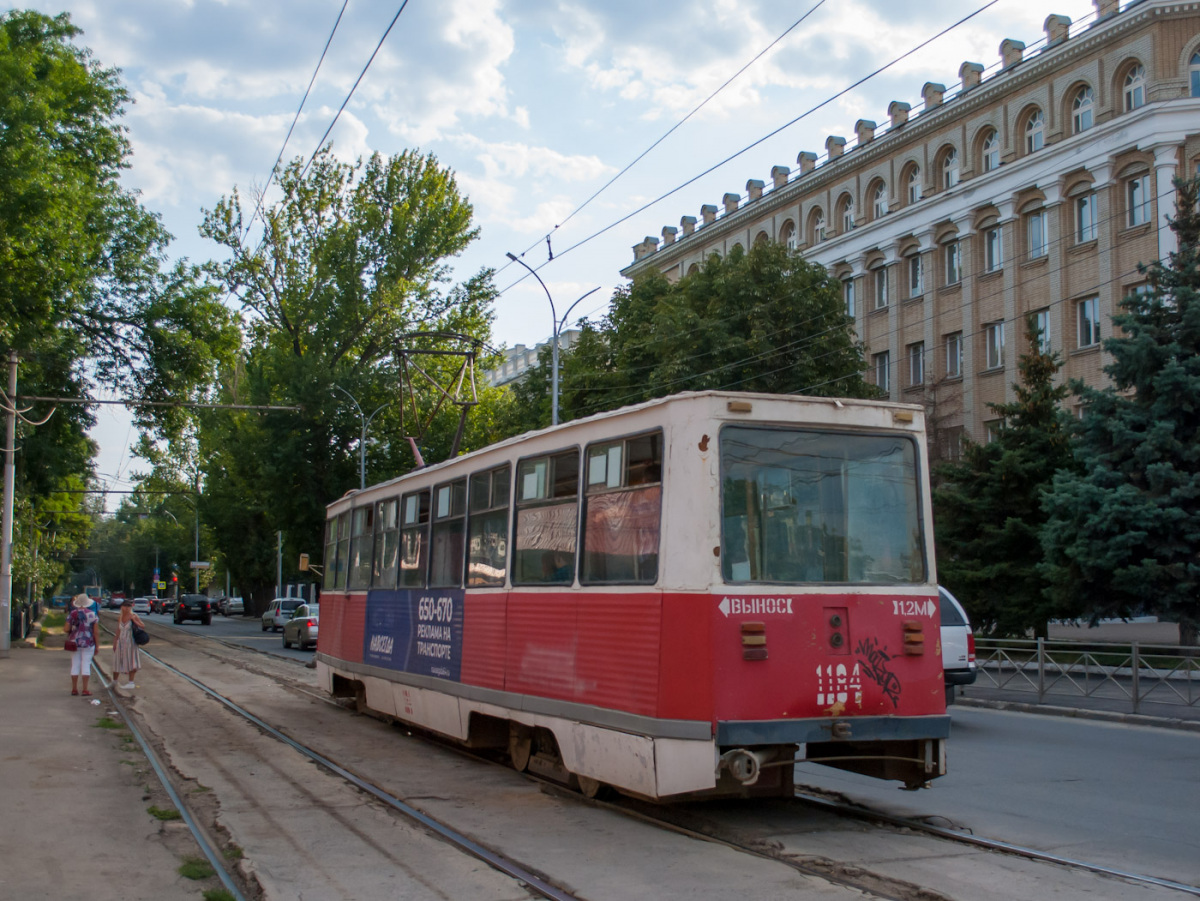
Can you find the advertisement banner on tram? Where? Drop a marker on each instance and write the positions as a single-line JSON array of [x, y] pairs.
[[415, 631]]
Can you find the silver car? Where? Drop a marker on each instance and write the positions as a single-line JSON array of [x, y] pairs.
[[958, 644], [141, 605], [301, 629], [279, 612]]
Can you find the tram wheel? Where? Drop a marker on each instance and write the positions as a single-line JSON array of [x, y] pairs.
[[591, 788], [520, 746]]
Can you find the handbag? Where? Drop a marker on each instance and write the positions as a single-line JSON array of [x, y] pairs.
[[69, 645], [140, 635]]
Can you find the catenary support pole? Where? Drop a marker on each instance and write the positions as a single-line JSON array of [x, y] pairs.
[[6, 526]]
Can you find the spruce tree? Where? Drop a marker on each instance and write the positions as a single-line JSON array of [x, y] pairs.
[[987, 508], [1123, 531]]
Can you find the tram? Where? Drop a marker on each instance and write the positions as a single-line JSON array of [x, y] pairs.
[[678, 599]]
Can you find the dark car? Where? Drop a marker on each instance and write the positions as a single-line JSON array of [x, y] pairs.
[[194, 606]]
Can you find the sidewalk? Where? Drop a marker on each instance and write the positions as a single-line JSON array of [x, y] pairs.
[[75, 824]]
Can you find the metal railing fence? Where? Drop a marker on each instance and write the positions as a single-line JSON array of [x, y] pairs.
[[1133, 672]]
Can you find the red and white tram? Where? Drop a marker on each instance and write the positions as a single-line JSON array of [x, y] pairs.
[[676, 599]]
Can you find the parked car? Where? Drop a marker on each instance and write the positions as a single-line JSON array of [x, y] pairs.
[[193, 606], [159, 605], [301, 629], [279, 612], [232, 607], [958, 644], [109, 603], [141, 605]]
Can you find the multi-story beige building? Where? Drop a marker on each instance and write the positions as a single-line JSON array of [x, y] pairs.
[[1034, 188]]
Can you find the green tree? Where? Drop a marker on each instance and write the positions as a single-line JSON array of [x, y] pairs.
[[763, 321], [352, 262], [987, 507], [1123, 531]]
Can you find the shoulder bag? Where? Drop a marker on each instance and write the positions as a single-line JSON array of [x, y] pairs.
[[140, 635]]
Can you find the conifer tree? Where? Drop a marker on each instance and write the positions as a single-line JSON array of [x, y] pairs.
[[987, 509], [1123, 531]]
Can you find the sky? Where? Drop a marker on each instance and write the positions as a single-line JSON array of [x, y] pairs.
[[534, 104]]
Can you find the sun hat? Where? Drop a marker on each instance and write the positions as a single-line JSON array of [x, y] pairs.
[[82, 601]]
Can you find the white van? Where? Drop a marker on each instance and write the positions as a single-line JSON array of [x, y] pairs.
[[958, 644]]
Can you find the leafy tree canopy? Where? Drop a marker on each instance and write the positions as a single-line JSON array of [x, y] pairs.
[[762, 321], [352, 262], [987, 508], [1123, 531]]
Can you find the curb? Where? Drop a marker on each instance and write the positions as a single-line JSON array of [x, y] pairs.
[[1130, 719]]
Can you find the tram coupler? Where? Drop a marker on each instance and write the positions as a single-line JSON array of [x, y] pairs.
[[746, 765]]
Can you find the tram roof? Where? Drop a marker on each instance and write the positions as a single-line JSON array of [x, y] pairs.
[[680, 399]]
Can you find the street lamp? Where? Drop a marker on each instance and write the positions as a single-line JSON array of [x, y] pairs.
[[557, 327], [362, 441]]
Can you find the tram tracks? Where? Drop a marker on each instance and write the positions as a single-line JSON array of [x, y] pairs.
[[830, 871]]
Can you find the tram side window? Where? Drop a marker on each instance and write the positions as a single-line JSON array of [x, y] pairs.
[[449, 521], [547, 520], [343, 550], [623, 513], [807, 506], [414, 539], [361, 544], [331, 554], [387, 545], [487, 528]]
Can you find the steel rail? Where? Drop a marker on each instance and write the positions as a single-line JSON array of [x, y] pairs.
[[992, 844], [213, 857], [492, 858]]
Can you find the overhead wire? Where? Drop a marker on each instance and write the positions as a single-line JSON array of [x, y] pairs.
[[764, 138]]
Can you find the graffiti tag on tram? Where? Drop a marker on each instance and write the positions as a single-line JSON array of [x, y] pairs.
[[415, 631], [875, 660]]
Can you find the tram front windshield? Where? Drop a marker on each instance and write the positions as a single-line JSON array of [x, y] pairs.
[[815, 506]]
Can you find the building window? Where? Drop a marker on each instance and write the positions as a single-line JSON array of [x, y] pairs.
[[950, 440], [879, 203], [848, 296], [991, 151], [992, 429], [1085, 218], [993, 249], [950, 169], [818, 227], [953, 260], [1135, 88], [1194, 73], [993, 337], [1089, 321], [1081, 110], [847, 214], [1041, 322], [916, 364], [1035, 228], [882, 364], [879, 277], [954, 355], [1035, 132], [914, 184], [916, 282], [787, 236], [1137, 197]]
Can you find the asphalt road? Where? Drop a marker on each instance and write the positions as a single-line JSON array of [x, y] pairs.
[[245, 631], [1120, 795]]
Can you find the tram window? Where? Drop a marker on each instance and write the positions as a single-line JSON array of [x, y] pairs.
[[547, 520], [387, 545], [449, 521], [487, 528], [414, 539], [361, 545], [804, 506], [330, 553], [343, 550], [622, 518]]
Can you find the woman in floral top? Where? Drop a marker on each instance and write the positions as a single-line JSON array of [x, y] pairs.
[[83, 627]]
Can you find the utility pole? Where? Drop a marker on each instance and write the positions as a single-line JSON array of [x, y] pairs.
[[279, 566], [6, 525]]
